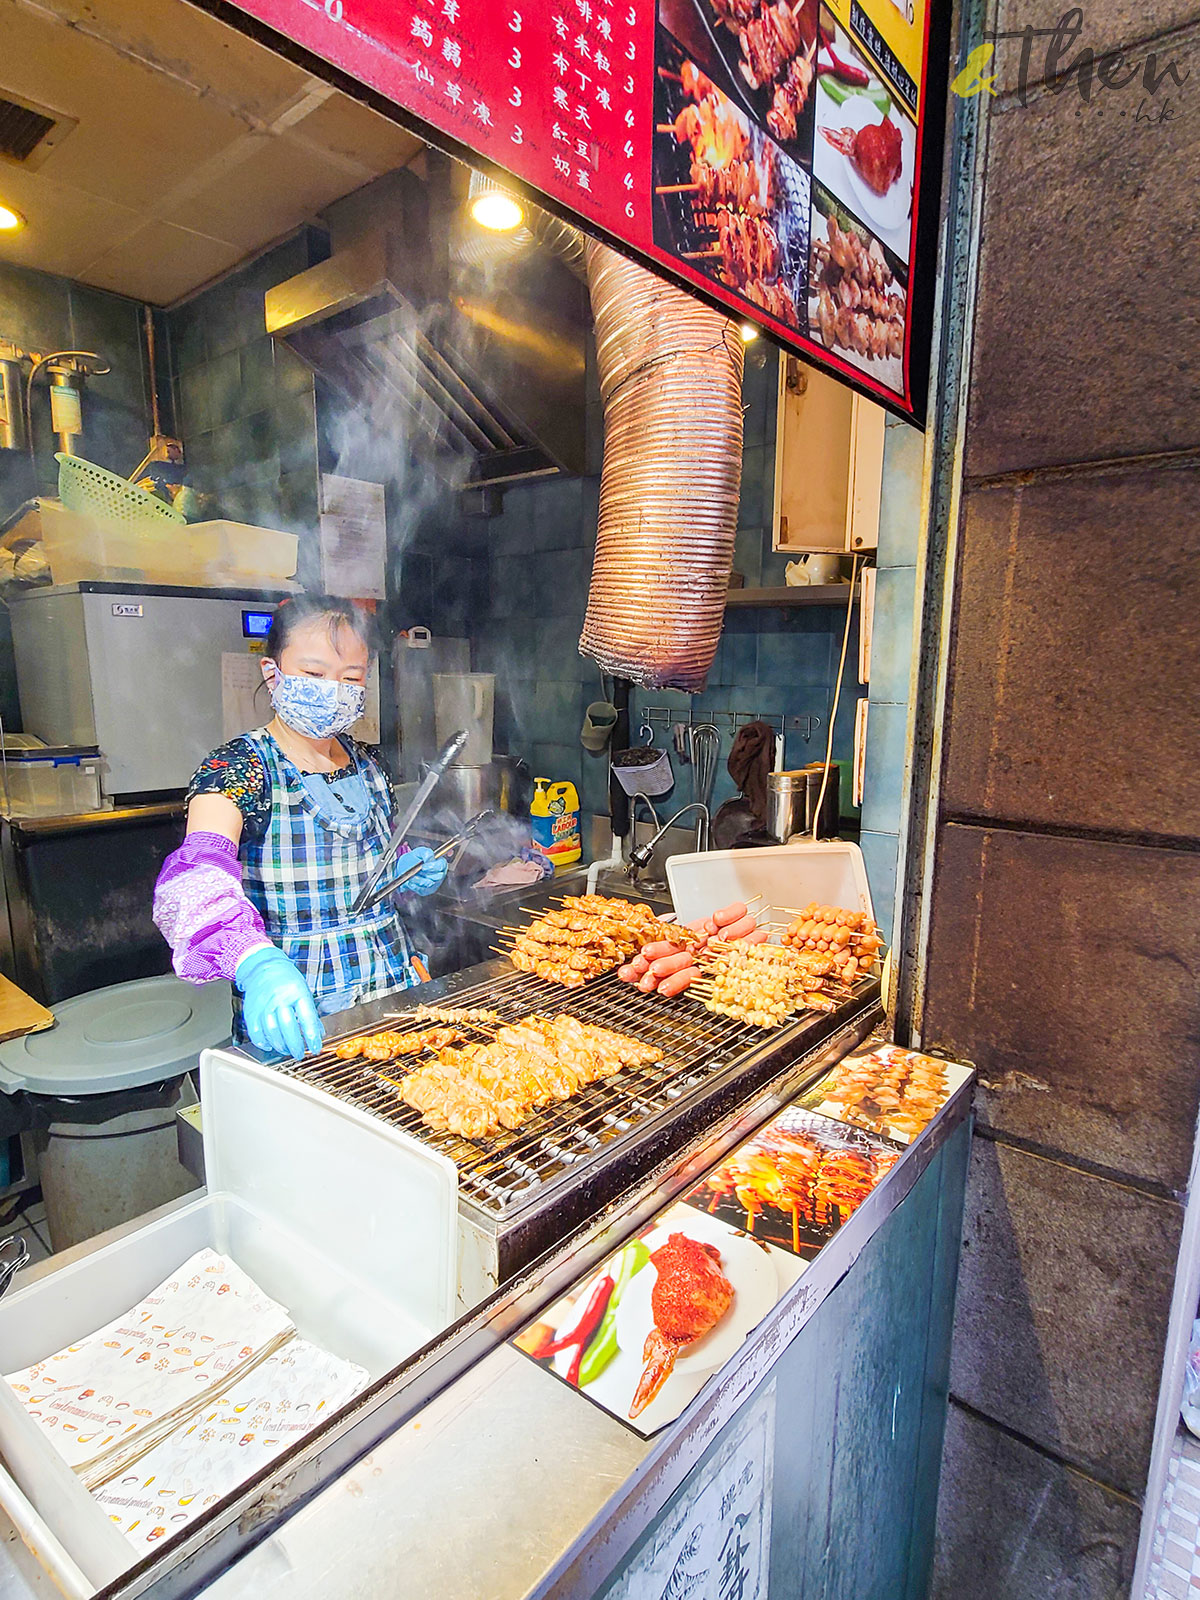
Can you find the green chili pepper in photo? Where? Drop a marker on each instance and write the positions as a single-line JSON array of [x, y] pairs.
[[633, 1258], [604, 1347], [837, 92]]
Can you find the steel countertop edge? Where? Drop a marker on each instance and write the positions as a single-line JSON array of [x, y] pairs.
[[502, 1483], [495, 1479]]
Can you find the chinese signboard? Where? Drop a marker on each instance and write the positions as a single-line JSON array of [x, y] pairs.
[[783, 159]]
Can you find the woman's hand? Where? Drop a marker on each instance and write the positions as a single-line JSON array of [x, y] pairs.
[[431, 876], [670, 968], [278, 1009]]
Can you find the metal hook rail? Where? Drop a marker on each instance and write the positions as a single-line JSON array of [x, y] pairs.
[[782, 722]]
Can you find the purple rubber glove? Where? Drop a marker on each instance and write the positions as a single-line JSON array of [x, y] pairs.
[[201, 909]]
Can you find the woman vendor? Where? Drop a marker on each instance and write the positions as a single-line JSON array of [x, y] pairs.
[[284, 827]]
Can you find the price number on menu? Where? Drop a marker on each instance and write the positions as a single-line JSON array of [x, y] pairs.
[[516, 25]]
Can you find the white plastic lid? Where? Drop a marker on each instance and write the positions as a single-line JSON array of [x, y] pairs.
[[787, 876], [122, 1037], [280, 1146]]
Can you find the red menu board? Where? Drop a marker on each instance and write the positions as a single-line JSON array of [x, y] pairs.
[[783, 159]]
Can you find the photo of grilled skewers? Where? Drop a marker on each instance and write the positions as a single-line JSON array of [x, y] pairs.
[[889, 1090], [727, 198], [796, 1182], [762, 53], [857, 293], [774, 46]]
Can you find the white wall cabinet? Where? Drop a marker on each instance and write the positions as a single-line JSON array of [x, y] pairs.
[[828, 464]]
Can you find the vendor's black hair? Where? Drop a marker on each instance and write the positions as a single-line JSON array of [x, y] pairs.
[[298, 609]]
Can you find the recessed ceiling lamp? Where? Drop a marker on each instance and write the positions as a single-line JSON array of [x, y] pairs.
[[491, 207], [10, 221], [748, 332]]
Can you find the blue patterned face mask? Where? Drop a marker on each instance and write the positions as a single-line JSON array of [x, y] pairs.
[[318, 708]]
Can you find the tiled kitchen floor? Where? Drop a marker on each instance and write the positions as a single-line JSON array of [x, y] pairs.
[[30, 1223], [1175, 1568]]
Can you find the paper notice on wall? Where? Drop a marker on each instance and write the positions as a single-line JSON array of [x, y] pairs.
[[353, 537], [366, 729], [245, 703], [866, 626], [713, 1541], [860, 754]]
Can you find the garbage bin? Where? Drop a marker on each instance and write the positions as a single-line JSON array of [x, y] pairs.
[[106, 1080]]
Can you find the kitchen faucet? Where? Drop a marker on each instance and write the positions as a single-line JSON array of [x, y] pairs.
[[640, 856]]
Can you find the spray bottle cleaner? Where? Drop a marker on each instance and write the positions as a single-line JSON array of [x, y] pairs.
[[554, 819]]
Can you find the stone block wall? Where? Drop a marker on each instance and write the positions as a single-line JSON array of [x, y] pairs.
[[1065, 939]]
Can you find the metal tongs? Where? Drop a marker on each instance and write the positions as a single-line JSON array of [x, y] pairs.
[[11, 1263], [367, 895], [463, 837]]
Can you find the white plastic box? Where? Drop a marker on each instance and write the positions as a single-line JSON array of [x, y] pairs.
[[215, 555], [787, 876], [58, 781], [364, 1258]]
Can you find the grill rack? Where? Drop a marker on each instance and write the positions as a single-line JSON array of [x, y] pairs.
[[504, 1172]]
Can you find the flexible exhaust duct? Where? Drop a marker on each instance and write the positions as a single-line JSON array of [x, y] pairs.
[[671, 382]]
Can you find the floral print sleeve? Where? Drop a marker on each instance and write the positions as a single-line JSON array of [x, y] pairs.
[[235, 771]]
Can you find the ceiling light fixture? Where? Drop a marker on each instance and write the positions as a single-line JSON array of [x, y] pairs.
[[496, 210], [10, 221], [748, 332], [491, 206]]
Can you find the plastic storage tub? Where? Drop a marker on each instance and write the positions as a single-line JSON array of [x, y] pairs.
[[214, 555], [54, 781], [365, 1263], [243, 549]]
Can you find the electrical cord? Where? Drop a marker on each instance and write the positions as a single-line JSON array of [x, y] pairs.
[[837, 694]]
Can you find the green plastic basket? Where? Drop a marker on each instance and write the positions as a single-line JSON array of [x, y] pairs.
[[95, 492]]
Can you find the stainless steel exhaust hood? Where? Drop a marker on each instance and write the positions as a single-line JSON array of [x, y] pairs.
[[486, 362]]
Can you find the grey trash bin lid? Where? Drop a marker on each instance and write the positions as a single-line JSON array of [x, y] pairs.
[[121, 1037]]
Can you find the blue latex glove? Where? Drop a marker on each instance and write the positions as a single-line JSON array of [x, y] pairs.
[[431, 877], [278, 1009]]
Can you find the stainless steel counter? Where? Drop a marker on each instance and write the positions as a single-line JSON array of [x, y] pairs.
[[476, 1474]]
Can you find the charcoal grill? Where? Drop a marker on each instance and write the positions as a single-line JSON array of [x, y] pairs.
[[527, 1188]]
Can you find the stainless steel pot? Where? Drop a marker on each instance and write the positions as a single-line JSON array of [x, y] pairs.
[[788, 806], [504, 784]]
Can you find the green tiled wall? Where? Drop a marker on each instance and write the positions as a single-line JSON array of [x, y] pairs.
[[893, 636], [41, 312], [245, 406], [540, 552]]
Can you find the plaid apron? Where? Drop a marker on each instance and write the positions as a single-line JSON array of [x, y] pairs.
[[303, 876]]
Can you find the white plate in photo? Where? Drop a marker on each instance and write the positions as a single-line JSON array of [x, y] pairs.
[[888, 214]]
